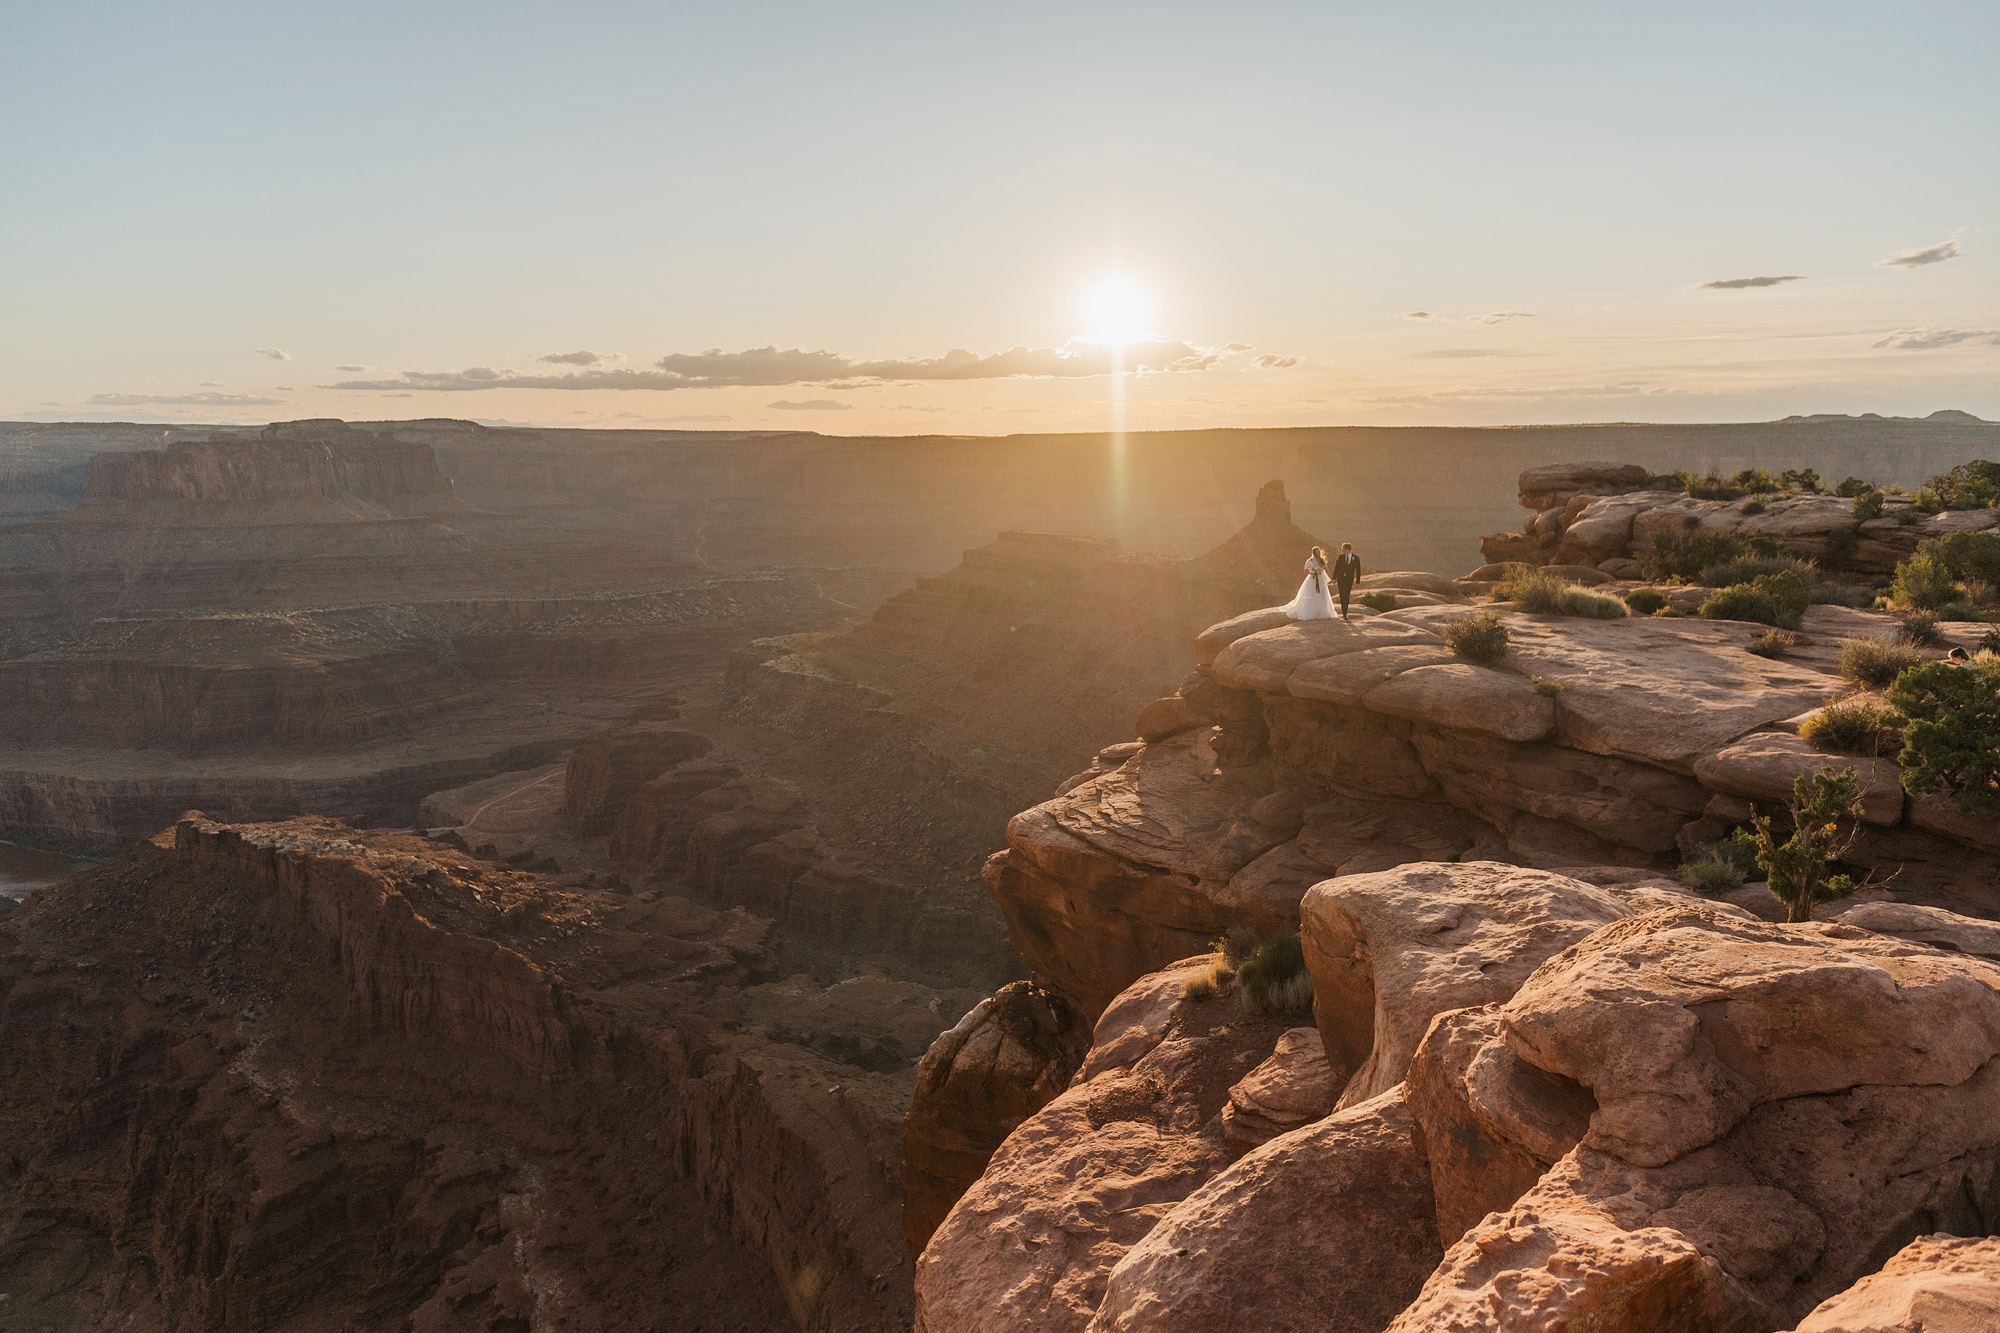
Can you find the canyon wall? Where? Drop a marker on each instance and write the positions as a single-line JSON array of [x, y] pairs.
[[260, 1075]]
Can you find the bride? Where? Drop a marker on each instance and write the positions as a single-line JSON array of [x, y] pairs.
[[1315, 601]]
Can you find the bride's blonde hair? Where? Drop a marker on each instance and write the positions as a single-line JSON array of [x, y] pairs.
[[1320, 551]]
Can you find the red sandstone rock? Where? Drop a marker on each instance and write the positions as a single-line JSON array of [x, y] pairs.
[[1294, 1087], [1032, 1244], [1775, 1106], [1935, 1284], [1390, 951], [1006, 1059], [1325, 1230]]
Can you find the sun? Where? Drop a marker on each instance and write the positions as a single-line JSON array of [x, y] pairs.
[[1117, 311]]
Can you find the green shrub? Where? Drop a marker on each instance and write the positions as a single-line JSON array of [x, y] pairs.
[[1710, 875], [1210, 981], [1274, 980], [1646, 601], [1379, 601], [1967, 555], [1768, 599], [1852, 726], [1755, 481], [1842, 543], [1745, 568], [1722, 865], [1951, 731], [1752, 508], [1876, 661], [1923, 583], [1919, 628], [1990, 641], [1927, 501], [1711, 487], [1804, 480], [1548, 689], [1775, 643], [1532, 590], [1683, 555], [1973, 485], [1590, 605], [1852, 487], [1483, 638], [1838, 594], [1799, 869], [1867, 505], [1236, 945]]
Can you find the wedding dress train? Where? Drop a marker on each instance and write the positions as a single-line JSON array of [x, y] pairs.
[[1315, 599]]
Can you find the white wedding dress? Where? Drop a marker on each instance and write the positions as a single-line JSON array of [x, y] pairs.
[[1315, 599]]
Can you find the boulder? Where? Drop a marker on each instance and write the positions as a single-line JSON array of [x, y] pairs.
[[1568, 479], [1265, 660], [1665, 691], [1927, 925], [1006, 1059], [1292, 1088], [1495, 572], [1763, 767], [1940, 814], [1211, 641], [1129, 870], [1463, 697], [1390, 951], [1492, 1123], [1032, 1244], [1584, 575], [1415, 580], [1326, 1230], [1166, 717], [1935, 1284], [1345, 679], [1514, 548], [1772, 1109]]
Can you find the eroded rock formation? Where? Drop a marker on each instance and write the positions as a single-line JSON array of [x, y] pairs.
[[259, 1073]]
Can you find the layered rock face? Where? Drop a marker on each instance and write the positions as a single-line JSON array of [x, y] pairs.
[[313, 611], [1328, 748], [265, 1075], [1604, 1105]]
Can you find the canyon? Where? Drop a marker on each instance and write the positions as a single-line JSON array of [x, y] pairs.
[[733, 906]]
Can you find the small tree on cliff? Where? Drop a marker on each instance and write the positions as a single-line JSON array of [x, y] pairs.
[[1797, 868]]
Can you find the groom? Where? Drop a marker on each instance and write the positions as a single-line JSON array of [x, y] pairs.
[[1346, 569]]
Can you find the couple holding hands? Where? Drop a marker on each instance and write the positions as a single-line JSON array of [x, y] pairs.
[[1315, 599]]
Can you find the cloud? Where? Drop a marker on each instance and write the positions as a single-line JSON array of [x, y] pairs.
[[1738, 284], [1499, 316], [577, 358], [213, 384], [275, 353], [1441, 397], [811, 405], [1920, 340], [352, 370], [1238, 347], [1417, 314], [1922, 255], [1272, 361], [284, 388], [180, 400], [1464, 353], [641, 416], [771, 367]]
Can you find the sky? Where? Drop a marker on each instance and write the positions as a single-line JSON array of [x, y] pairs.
[[986, 219]]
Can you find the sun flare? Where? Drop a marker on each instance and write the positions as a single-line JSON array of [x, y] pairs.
[[1117, 311]]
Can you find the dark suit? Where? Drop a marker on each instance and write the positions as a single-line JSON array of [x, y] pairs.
[[1346, 569]]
